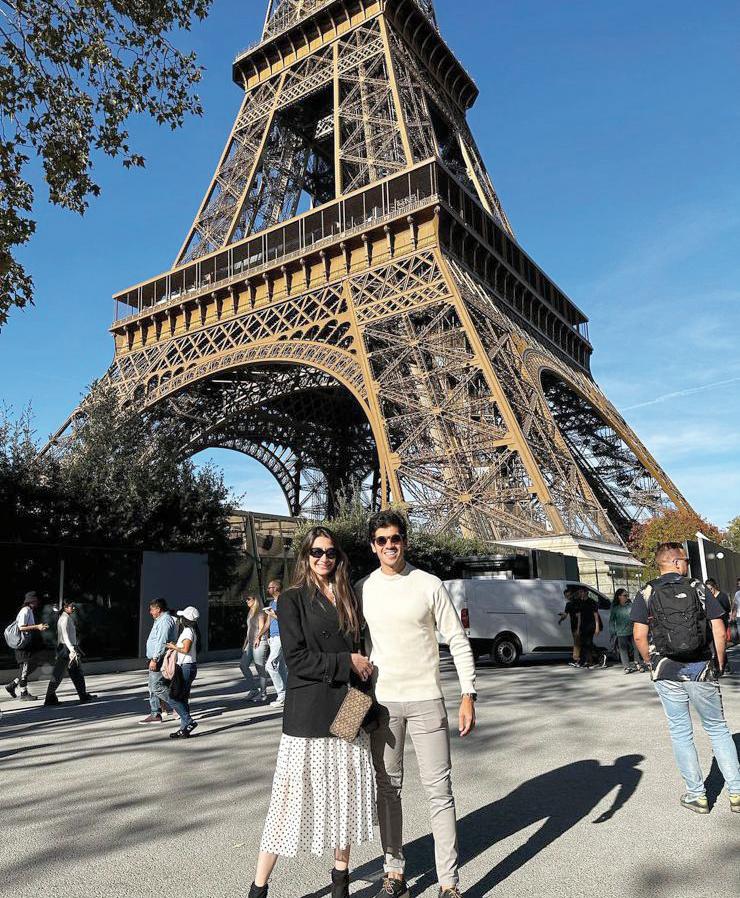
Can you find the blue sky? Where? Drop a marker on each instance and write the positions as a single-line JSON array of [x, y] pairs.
[[611, 132]]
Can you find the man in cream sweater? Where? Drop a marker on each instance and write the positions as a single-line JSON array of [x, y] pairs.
[[403, 608]]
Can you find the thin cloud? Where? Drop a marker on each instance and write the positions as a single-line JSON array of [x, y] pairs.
[[681, 393]]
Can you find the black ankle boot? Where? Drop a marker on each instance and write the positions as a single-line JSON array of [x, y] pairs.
[[339, 883], [257, 891]]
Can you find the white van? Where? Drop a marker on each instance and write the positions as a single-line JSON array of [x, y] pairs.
[[513, 619]]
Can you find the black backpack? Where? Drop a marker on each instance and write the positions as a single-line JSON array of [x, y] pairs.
[[677, 619]]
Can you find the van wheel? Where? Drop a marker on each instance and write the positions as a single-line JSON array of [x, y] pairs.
[[506, 651]]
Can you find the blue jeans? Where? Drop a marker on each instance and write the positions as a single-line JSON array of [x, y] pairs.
[[706, 699], [158, 691], [189, 673], [258, 657], [277, 668]]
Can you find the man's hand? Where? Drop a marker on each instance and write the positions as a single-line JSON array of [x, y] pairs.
[[466, 719], [153, 665]]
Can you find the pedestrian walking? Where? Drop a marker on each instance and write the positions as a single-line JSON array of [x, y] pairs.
[[736, 604], [404, 608], [571, 610], [589, 626], [670, 629], [255, 650], [722, 598], [725, 603], [276, 666], [186, 646], [26, 654], [163, 631], [620, 630], [323, 795], [68, 657]]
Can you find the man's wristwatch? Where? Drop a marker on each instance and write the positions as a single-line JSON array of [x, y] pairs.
[[472, 695]]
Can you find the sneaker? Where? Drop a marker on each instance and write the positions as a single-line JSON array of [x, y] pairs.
[[27, 697], [11, 689], [152, 718], [167, 715], [735, 804], [629, 670], [190, 727], [573, 664], [278, 703], [50, 700], [393, 888], [697, 805], [252, 695], [87, 697], [178, 734], [450, 892], [604, 662]]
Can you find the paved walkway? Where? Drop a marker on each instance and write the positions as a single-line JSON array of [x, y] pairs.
[[568, 788]]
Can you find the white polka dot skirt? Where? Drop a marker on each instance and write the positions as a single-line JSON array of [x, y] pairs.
[[323, 796]]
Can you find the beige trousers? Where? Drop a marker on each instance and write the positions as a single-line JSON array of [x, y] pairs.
[[426, 723]]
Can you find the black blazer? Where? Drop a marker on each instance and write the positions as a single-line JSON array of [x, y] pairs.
[[317, 655]]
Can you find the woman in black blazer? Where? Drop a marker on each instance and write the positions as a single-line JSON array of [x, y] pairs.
[[323, 793]]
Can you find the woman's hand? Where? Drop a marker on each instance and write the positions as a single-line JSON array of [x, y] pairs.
[[170, 645], [257, 642], [362, 666]]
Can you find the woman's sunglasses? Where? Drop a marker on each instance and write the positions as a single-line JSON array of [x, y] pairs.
[[331, 554], [394, 540]]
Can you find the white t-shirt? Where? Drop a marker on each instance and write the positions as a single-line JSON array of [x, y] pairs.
[[25, 617], [192, 655]]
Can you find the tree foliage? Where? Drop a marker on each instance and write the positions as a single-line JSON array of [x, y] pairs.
[[732, 536], [436, 553], [72, 73], [118, 482], [676, 525]]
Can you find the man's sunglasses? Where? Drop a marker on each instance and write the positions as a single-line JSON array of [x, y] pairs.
[[331, 554], [394, 540]]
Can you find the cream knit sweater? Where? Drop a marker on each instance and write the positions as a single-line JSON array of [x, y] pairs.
[[403, 613]]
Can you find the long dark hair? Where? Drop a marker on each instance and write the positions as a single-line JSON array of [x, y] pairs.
[[349, 618]]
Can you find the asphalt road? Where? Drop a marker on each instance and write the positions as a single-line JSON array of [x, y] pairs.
[[568, 788]]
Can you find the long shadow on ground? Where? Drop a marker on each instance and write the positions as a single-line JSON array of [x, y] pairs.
[[560, 798]]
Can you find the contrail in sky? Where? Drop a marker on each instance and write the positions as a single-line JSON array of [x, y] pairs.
[[680, 393]]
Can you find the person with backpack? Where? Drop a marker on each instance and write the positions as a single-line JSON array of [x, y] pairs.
[[67, 659], [25, 639], [186, 647], [669, 618]]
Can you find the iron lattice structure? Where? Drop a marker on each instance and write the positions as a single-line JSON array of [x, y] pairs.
[[351, 308]]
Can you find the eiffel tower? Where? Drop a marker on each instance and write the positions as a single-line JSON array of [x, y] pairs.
[[351, 306]]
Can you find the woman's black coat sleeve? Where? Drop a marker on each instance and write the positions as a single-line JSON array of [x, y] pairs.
[[301, 656]]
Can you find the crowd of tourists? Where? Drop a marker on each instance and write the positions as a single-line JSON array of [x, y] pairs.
[[356, 670]]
